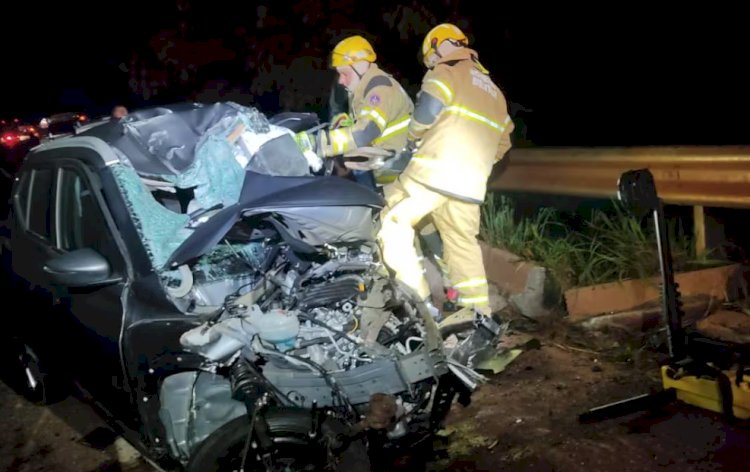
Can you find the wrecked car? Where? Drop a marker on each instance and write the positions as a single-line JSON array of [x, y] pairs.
[[226, 305]]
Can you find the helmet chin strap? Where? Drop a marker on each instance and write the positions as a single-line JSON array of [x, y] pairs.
[[437, 53], [357, 72], [459, 44]]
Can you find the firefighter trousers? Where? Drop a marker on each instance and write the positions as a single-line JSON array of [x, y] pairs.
[[410, 206], [428, 240]]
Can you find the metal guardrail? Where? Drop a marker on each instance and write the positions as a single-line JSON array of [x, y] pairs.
[[711, 176]]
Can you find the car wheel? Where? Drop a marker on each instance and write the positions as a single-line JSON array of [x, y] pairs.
[[293, 450]]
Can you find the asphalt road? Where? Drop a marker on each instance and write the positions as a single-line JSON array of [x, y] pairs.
[[65, 437]]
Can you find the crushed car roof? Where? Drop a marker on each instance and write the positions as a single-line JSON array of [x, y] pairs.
[[229, 155], [162, 140]]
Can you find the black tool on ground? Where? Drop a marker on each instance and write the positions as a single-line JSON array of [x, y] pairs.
[[698, 369]]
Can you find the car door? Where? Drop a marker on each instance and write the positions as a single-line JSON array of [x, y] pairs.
[[33, 240], [59, 211], [94, 310]]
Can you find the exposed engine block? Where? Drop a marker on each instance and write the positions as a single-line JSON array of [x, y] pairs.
[[330, 292]]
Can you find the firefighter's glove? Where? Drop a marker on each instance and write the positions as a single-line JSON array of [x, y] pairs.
[[313, 160], [342, 120], [410, 147], [305, 141], [322, 143], [307, 145], [400, 159]]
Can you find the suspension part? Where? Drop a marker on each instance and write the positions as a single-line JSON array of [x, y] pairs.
[[246, 386]]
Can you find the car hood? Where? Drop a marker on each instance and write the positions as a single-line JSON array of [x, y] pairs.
[[264, 193]]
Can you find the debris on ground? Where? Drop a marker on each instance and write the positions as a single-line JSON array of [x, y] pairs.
[[727, 325], [463, 438], [526, 416], [498, 362]]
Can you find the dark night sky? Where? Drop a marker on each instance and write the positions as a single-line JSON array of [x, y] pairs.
[[635, 76]]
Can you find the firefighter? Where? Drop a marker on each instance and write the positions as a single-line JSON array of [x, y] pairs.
[[379, 108], [459, 130]]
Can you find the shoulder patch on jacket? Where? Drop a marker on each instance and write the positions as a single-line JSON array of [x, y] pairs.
[[377, 81]]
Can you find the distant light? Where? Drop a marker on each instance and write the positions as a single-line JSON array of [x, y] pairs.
[[10, 139]]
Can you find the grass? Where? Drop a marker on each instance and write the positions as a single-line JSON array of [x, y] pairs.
[[622, 248], [542, 238], [608, 246]]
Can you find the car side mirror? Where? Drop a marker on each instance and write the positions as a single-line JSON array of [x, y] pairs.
[[80, 268]]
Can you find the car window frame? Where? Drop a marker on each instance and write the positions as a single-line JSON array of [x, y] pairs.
[[25, 212], [21, 212], [92, 181]]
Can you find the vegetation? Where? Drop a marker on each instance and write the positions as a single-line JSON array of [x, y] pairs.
[[610, 245]]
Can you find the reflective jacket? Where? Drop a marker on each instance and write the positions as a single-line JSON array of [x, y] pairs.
[[470, 133], [380, 109]]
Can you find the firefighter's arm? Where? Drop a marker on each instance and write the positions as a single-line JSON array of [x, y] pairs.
[[368, 126], [435, 95], [505, 144]]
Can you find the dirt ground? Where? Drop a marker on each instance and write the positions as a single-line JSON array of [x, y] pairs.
[[65, 437], [524, 419]]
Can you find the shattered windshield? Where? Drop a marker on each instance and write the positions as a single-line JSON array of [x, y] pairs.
[[200, 155], [162, 230]]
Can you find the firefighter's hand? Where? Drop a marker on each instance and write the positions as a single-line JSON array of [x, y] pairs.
[[341, 120], [308, 144], [323, 144], [305, 141], [400, 160], [313, 160]]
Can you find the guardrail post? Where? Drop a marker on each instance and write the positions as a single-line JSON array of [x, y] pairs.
[[707, 231]]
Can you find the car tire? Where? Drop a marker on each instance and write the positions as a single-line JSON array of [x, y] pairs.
[[288, 429]]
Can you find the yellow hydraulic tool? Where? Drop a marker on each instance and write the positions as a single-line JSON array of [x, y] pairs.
[[701, 371]]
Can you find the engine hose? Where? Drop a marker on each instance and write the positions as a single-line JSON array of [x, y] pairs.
[[330, 381], [267, 302], [333, 330], [314, 341], [402, 331]]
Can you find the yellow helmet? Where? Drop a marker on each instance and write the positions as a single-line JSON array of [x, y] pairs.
[[440, 33], [350, 50]]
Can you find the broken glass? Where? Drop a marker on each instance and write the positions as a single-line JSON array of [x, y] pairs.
[[161, 229]]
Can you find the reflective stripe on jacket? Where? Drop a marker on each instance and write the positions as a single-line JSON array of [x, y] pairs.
[[380, 100], [472, 131]]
